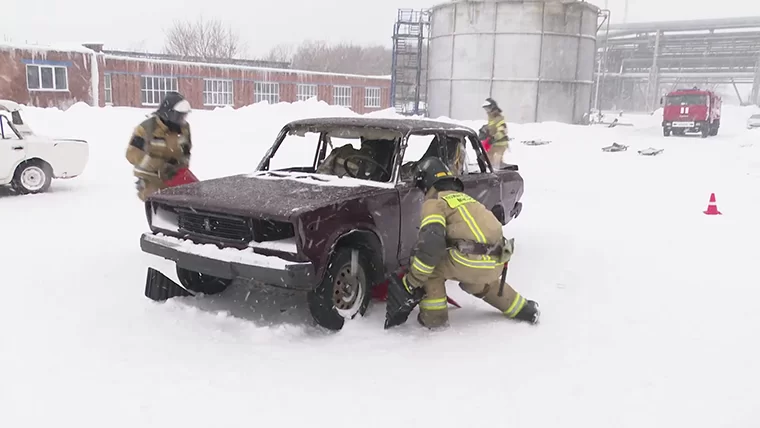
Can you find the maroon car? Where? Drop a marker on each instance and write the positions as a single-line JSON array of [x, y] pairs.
[[305, 221]]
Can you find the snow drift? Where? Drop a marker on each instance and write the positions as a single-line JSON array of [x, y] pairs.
[[649, 306]]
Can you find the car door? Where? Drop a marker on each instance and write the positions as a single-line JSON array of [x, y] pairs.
[[12, 150], [479, 181]]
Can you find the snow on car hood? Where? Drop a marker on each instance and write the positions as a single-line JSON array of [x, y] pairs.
[[275, 194], [319, 179]]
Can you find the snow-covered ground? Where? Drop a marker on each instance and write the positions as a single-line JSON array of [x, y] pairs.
[[650, 308]]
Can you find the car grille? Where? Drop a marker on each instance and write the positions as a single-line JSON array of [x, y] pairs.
[[228, 228], [231, 228]]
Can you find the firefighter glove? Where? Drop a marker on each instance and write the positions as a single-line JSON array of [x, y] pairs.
[[401, 301]]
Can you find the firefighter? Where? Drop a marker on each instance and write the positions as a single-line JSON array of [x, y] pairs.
[[496, 133], [160, 146], [459, 239]]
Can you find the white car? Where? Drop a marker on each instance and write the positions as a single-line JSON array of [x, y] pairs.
[[753, 121], [29, 162]]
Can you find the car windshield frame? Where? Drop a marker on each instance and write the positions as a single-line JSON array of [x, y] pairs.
[[334, 131], [9, 122], [402, 134]]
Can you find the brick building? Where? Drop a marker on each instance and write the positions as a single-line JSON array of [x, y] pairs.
[[63, 75]]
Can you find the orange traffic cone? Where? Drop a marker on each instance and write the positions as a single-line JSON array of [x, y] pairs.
[[712, 207]]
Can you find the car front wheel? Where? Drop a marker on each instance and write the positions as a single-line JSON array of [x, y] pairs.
[[345, 289]]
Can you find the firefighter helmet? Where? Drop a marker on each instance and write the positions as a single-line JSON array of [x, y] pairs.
[[491, 105], [173, 108], [431, 172]]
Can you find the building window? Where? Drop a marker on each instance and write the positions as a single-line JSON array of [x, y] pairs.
[[342, 96], [267, 91], [217, 92], [107, 89], [46, 78], [154, 88], [371, 97], [306, 91]]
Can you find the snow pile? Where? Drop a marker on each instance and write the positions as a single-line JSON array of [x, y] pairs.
[[649, 306]]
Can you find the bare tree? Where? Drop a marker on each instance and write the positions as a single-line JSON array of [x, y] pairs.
[[337, 58], [141, 46], [280, 53], [203, 39]]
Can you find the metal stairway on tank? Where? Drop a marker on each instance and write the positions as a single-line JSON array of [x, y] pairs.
[[408, 74]]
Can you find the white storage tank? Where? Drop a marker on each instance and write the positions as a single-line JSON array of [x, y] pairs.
[[535, 58]]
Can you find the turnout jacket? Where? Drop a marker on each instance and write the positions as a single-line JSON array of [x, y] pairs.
[[156, 151], [497, 130], [450, 222]]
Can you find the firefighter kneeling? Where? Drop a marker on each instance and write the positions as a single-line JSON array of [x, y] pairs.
[[461, 240]]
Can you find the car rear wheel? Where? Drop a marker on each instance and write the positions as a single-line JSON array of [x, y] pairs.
[[201, 283], [345, 289], [32, 177]]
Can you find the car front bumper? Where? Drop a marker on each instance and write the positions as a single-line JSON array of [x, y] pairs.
[[230, 263]]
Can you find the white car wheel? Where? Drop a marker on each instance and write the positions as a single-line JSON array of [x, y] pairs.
[[32, 177]]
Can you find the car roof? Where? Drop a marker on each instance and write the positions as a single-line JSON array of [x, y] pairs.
[[404, 125], [9, 105]]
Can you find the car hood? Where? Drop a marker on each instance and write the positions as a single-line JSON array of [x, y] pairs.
[[269, 194]]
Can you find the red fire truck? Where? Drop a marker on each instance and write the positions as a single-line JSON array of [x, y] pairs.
[[691, 110]]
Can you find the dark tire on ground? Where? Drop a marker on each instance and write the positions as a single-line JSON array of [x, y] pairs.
[[706, 131], [665, 132], [343, 293], [32, 176], [159, 287], [202, 283]]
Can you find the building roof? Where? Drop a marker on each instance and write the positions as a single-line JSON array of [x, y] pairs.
[[220, 61], [251, 65], [58, 47], [401, 124], [225, 65]]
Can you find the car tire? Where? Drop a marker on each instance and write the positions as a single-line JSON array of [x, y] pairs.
[[340, 296], [201, 283], [32, 177]]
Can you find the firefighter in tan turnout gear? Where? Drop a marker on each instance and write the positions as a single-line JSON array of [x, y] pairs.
[[459, 239], [160, 146], [497, 132]]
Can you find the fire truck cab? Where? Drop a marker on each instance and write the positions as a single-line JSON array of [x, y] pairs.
[[691, 110]]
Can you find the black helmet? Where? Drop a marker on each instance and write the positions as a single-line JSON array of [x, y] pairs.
[[431, 171], [173, 108]]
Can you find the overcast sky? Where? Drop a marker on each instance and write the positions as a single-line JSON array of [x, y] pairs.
[[139, 24]]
